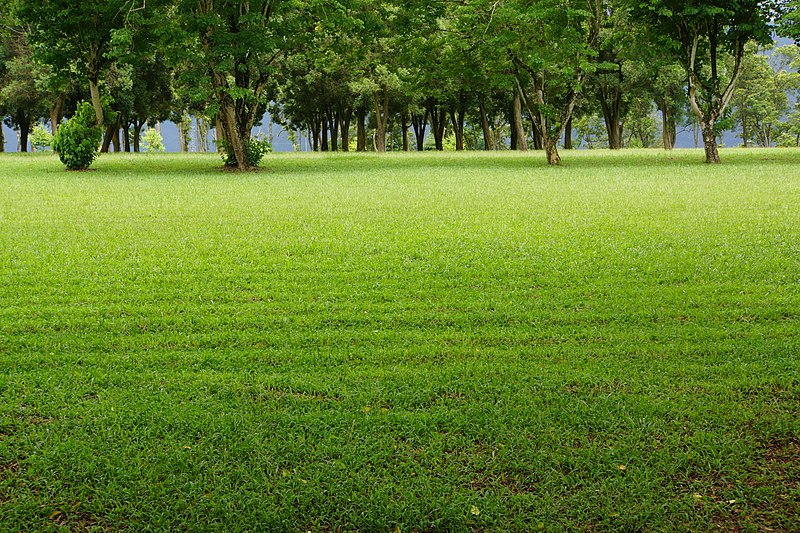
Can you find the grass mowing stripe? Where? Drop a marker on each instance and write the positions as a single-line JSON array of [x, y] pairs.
[[423, 342]]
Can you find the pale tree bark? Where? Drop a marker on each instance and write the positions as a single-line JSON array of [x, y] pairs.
[[361, 130], [381, 108], [93, 74], [668, 129], [57, 112], [611, 106], [716, 99], [522, 143], [487, 131]]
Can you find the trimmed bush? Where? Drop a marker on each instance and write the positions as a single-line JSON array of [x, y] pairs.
[[254, 152], [78, 140]]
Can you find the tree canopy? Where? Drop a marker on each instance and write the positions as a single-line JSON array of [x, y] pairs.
[[514, 73]]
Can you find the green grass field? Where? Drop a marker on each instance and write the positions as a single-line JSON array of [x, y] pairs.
[[435, 342]]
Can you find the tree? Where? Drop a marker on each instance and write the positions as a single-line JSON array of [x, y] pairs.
[[549, 45], [234, 45], [75, 36], [703, 35], [760, 100]]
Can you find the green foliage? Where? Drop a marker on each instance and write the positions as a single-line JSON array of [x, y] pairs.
[[255, 150], [153, 141], [78, 140], [40, 138]]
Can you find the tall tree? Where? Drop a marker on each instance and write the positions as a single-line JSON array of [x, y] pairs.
[[704, 35], [550, 45], [75, 36], [235, 45]]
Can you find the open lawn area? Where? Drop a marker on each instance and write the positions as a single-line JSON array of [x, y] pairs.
[[418, 342]]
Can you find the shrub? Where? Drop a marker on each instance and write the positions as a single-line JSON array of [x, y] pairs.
[[153, 141], [78, 140], [254, 152], [41, 138]]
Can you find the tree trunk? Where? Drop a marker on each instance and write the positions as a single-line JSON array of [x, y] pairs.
[[487, 131], [94, 91], [420, 124], [381, 106], [361, 130], [111, 130], [57, 113], [202, 135], [2, 139], [710, 143], [334, 120], [568, 135], [744, 132], [347, 115], [438, 122], [551, 150], [404, 129], [182, 134], [522, 143], [457, 119], [115, 141], [612, 113], [668, 128], [314, 136], [324, 133], [24, 124], [230, 132], [137, 134]]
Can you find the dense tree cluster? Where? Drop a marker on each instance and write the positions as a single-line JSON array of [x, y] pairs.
[[396, 74]]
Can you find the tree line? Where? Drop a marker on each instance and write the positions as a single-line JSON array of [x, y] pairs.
[[357, 74]]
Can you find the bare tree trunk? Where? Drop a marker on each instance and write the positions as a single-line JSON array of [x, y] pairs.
[[334, 120], [182, 136], [612, 113], [404, 129], [457, 119], [745, 135], [2, 139], [126, 137], [202, 135], [710, 143], [420, 124], [347, 115], [57, 113], [668, 131], [551, 150], [438, 122], [522, 143], [115, 140], [381, 106], [24, 124], [324, 133], [230, 133], [93, 74], [568, 135], [361, 133], [111, 130], [137, 134], [487, 131]]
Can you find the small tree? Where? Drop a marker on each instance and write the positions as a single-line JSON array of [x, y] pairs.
[[78, 141], [41, 138]]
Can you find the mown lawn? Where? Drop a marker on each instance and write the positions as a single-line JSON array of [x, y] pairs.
[[435, 342]]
